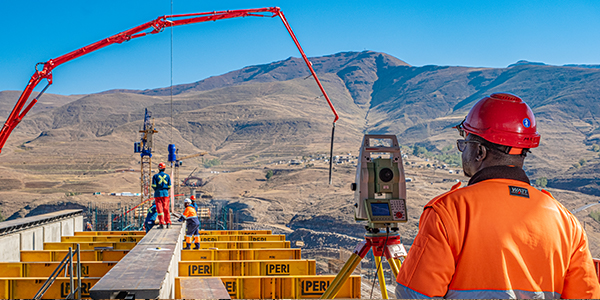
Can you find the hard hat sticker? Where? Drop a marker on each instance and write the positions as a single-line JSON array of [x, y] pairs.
[[526, 123]]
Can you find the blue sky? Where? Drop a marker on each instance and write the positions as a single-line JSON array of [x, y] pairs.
[[455, 33]]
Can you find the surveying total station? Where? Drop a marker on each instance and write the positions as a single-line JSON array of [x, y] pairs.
[[380, 194]]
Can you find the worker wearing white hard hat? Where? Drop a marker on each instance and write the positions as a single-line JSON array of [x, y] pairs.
[[192, 223]]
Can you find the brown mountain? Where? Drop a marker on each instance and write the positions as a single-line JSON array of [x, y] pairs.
[[274, 105], [258, 115]]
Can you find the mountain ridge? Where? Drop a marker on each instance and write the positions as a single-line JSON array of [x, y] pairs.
[[374, 93]]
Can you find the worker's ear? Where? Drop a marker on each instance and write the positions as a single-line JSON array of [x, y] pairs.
[[482, 153]]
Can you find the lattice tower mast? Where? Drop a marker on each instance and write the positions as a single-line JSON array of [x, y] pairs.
[[145, 150]]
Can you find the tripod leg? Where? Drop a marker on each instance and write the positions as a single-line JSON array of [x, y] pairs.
[[380, 276], [342, 276], [359, 252], [394, 265]]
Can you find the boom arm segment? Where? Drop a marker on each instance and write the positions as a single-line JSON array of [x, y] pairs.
[[193, 155], [151, 27]]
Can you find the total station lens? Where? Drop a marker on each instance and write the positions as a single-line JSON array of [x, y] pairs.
[[386, 175]]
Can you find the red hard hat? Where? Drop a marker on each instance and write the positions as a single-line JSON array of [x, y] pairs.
[[504, 119], [192, 197], [162, 166]]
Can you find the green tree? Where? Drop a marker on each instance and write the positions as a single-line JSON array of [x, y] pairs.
[[211, 163], [447, 148], [418, 150], [542, 181], [1, 216], [596, 148], [582, 162], [269, 174]]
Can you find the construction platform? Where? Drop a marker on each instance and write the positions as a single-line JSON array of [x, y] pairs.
[[132, 264]]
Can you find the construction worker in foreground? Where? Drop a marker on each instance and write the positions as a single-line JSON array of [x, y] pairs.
[[192, 225], [498, 237], [161, 183]]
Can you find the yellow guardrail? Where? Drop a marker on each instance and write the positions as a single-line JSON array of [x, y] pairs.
[[101, 238], [282, 287], [26, 288], [242, 245], [88, 246], [234, 232], [58, 255], [104, 233], [247, 268], [242, 238], [45, 269], [240, 254]]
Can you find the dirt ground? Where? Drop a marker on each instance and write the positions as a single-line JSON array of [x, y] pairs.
[[295, 197]]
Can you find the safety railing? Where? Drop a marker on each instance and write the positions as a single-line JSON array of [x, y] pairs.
[[67, 265]]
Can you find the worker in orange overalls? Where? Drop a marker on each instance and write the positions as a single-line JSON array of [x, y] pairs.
[[192, 225], [498, 237], [161, 183]]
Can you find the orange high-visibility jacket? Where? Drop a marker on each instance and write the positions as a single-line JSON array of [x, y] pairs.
[[498, 238], [189, 213]]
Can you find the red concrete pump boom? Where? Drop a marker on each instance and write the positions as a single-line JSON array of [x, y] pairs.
[[151, 27]]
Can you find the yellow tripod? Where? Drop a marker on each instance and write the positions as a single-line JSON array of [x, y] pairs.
[[388, 245]]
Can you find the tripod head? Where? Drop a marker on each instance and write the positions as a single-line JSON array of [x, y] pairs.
[[380, 187]]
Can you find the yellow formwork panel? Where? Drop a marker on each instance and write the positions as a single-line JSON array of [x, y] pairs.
[[54, 255], [247, 268], [26, 288], [88, 246], [104, 233], [242, 238], [283, 287], [240, 254], [102, 238], [243, 245], [234, 232], [45, 269], [58, 255]]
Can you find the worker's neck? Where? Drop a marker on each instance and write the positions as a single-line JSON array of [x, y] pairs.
[[498, 172]]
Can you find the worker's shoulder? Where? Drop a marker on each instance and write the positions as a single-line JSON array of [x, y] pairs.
[[484, 188], [556, 202], [443, 196]]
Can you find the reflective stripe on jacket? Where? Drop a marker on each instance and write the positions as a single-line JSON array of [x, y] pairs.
[[498, 238], [152, 214]]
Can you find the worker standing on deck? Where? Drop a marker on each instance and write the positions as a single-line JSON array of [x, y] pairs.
[[161, 183], [498, 237], [194, 205], [151, 218], [192, 225]]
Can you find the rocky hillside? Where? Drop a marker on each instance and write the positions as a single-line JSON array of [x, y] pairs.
[[250, 118], [267, 108]]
